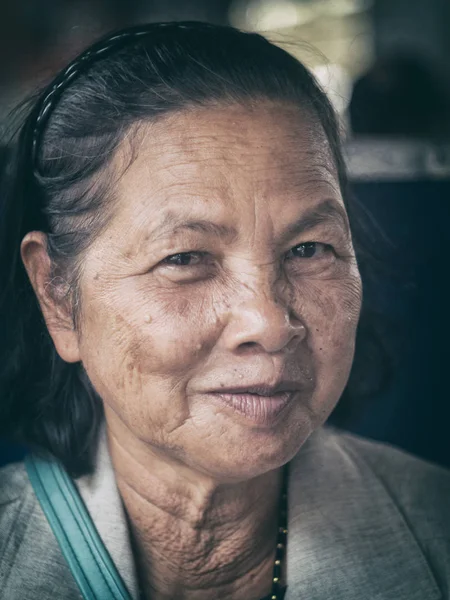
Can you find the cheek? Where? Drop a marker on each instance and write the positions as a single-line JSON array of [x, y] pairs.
[[337, 307], [147, 335], [330, 310], [140, 351], [179, 330]]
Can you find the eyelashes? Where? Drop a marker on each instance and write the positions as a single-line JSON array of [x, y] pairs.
[[184, 259], [308, 250]]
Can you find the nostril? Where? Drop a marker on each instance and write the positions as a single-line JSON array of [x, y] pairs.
[[248, 346]]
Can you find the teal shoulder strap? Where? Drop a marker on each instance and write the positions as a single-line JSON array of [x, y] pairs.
[[80, 543]]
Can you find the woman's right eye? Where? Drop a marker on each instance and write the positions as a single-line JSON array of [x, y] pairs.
[[188, 267], [184, 259]]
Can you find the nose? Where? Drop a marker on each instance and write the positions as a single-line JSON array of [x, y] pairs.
[[262, 321]]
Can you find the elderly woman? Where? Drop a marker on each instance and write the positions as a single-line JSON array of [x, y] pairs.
[[180, 299]]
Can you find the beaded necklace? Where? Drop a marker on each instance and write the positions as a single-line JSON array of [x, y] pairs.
[[278, 592]]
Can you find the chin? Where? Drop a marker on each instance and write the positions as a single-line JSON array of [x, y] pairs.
[[259, 454]]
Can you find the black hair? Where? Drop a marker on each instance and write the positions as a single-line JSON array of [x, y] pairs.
[[59, 181]]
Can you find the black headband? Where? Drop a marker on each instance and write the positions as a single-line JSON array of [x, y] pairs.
[[98, 50]]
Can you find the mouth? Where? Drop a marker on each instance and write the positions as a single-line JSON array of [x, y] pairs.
[[262, 404], [261, 389]]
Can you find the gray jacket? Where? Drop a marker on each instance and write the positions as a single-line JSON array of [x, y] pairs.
[[366, 522]]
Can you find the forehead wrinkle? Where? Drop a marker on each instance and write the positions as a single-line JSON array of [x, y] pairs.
[[210, 185], [236, 143], [307, 167], [189, 165], [289, 178], [200, 219], [236, 138], [327, 212], [210, 149]]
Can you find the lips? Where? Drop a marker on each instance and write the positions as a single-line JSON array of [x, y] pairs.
[[260, 410], [261, 403], [261, 389]]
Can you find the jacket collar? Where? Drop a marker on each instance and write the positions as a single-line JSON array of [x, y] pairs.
[[347, 539]]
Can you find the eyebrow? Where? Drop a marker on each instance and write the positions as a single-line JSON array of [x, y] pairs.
[[172, 225], [328, 212]]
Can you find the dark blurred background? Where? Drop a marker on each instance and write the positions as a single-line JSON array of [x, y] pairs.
[[386, 67]]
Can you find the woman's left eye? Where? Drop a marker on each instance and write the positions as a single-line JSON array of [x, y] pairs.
[[309, 250]]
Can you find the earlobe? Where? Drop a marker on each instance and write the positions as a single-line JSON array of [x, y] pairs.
[[51, 294]]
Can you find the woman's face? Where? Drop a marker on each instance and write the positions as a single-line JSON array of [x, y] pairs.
[[227, 269]]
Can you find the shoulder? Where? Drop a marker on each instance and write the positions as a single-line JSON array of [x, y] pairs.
[[13, 481], [15, 511], [14, 488], [371, 511], [416, 484], [418, 490], [31, 564]]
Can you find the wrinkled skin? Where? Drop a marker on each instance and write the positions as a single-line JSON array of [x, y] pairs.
[[155, 336]]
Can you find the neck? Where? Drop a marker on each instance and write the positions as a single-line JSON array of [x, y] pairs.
[[194, 536]]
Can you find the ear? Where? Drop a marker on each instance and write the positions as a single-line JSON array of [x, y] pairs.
[[51, 296]]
